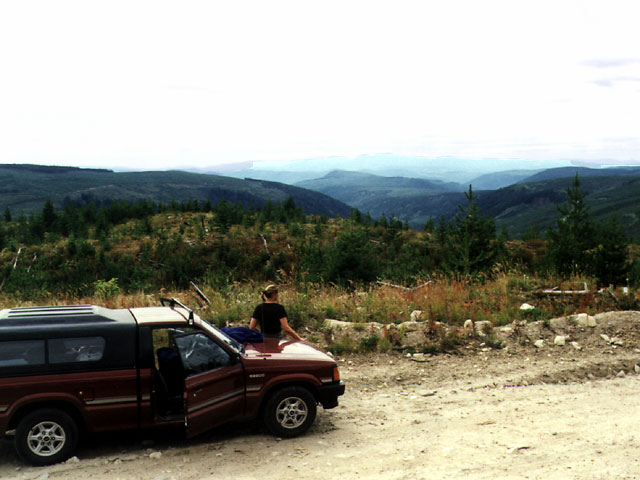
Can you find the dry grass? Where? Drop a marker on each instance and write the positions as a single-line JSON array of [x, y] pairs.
[[443, 300]]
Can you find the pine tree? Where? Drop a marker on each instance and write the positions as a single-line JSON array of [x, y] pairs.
[[573, 236], [351, 258], [48, 215], [442, 232], [472, 242], [609, 258], [430, 226]]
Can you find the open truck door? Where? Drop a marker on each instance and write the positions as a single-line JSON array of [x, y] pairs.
[[214, 382]]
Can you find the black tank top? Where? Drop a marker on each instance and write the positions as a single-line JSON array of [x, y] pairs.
[[269, 315]]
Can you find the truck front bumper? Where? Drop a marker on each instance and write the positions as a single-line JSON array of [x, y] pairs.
[[328, 394]]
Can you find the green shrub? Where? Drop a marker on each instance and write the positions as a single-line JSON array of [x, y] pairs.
[[493, 342], [534, 315], [107, 288], [345, 345], [430, 349], [330, 311], [384, 345], [369, 344], [450, 342]]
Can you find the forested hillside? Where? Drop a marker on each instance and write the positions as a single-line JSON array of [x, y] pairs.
[[583, 172], [412, 199], [24, 188], [524, 208], [98, 253], [527, 208]]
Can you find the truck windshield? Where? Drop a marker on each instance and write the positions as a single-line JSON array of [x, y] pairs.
[[237, 346]]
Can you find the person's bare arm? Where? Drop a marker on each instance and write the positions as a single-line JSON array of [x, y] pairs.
[[253, 324], [284, 323]]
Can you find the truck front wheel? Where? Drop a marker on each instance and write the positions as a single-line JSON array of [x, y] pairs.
[[46, 436], [290, 412]]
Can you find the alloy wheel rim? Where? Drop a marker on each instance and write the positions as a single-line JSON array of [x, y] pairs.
[[46, 439], [291, 412]]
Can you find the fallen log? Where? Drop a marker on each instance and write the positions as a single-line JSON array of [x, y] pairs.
[[406, 289], [555, 291], [200, 293]]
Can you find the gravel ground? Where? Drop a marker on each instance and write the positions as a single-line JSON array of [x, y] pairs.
[[519, 412]]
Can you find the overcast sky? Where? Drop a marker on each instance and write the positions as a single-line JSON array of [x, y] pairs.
[[153, 84]]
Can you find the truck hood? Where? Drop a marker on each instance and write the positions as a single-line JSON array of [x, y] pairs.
[[285, 349]]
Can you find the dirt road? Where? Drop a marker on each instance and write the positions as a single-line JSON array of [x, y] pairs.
[[481, 414]]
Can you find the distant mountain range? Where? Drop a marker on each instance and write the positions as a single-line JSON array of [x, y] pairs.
[[413, 199], [494, 181], [447, 169], [24, 188], [528, 203]]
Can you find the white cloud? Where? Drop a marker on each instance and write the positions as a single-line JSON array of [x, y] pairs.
[[160, 84]]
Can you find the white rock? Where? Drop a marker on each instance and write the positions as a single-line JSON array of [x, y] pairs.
[[416, 315], [483, 328], [339, 324], [605, 337], [73, 459], [538, 343], [419, 357], [155, 455], [502, 333], [468, 326], [525, 307], [617, 341], [427, 393], [518, 448], [584, 320], [576, 345], [344, 455], [621, 374], [560, 340], [636, 368]]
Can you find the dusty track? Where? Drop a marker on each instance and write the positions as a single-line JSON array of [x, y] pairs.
[[552, 413]]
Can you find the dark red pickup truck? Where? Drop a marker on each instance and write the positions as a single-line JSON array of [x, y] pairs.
[[66, 370]]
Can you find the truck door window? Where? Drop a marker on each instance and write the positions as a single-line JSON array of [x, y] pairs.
[[200, 353]]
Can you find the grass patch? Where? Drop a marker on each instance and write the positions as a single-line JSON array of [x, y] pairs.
[[369, 344], [495, 343]]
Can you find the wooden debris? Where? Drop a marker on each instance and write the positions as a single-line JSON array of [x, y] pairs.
[[406, 289], [266, 246], [15, 260], [555, 291], [200, 293]]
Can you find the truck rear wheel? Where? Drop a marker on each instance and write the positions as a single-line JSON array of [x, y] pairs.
[[46, 436], [290, 412]]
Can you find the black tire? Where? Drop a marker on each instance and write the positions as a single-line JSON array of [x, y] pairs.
[[46, 436], [289, 412]]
